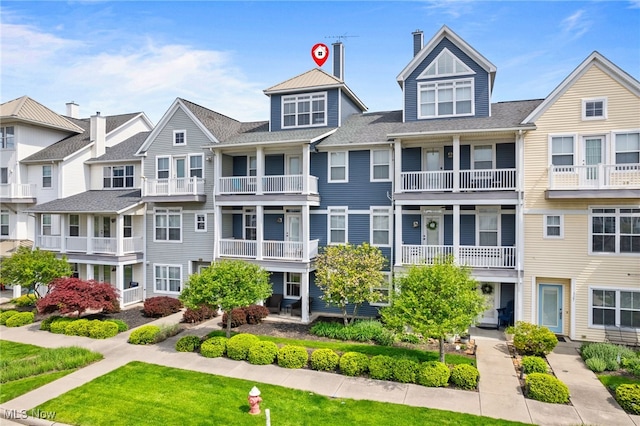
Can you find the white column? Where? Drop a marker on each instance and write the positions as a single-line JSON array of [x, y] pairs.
[[259, 230], [456, 231], [259, 169], [306, 170], [89, 234], [63, 233], [397, 165], [120, 235], [89, 271], [217, 171], [120, 284], [304, 294], [398, 235], [456, 164], [217, 232], [306, 233]]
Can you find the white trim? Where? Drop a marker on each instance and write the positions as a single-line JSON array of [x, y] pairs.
[[188, 166], [286, 281], [424, 75], [550, 137], [388, 287], [155, 277], [184, 137], [498, 215], [593, 100], [167, 211], [545, 227], [617, 307], [371, 166], [195, 221], [297, 97], [158, 157], [493, 149], [338, 211], [346, 167], [614, 138], [389, 211], [616, 214], [436, 83]]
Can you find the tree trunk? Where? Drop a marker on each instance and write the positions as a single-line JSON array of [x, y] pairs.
[[228, 324], [355, 312], [441, 341]]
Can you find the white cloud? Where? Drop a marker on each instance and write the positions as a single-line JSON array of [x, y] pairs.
[[452, 8], [576, 25]]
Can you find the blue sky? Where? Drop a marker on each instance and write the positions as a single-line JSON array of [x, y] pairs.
[[118, 57]]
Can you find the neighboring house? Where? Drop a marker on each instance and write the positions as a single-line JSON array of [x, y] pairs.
[[582, 204]]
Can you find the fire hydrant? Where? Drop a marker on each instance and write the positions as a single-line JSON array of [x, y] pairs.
[[254, 401]]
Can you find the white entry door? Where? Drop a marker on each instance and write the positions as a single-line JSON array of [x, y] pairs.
[[593, 155], [431, 230], [292, 235], [432, 163], [490, 293]]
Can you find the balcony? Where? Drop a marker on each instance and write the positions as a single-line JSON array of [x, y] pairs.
[[271, 250], [85, 245], [601, 180], [281, 184], [176, 189], [500, 257], [18, 193], [468, 180]]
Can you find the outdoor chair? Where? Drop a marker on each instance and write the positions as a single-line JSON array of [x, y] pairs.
[[505, 314], [274, 303], [296, 307]]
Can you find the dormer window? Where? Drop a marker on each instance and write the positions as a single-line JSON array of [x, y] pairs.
[[445, 98], [446, 64], [594, 109], [304, 110]]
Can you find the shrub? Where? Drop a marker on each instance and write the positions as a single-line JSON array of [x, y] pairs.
[[632, 365], [465, 376], [381, 367], [533, 364], [596, 365], [102, 329], [214, 347], [199, 314], [78, 327], [20, 319], [166, 331], [262, 353], [25, 300], [238, 346], [46, 323], [385, 338], [161, 306], [628, 396], [607, 352], [122, 326], [410, 338], [324, 360], [532, 339], [354, 363], [405, 370], [256, 313], [330, 330], [238, 317], [144, 335], [291, 356], [546, 388], [59, 325], [73, 295], [6, 315], [433, 374], [188, 344]]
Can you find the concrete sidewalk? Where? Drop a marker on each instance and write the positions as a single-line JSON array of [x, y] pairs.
[[499, 394]]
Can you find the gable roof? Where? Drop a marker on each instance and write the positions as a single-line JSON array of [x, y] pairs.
[[595, 59], [124, 151], [96, 201], [27, 110], [446, 32]]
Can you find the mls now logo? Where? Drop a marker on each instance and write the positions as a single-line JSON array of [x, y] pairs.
[[24, 414]]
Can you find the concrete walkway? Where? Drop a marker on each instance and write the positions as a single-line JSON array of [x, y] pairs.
[[499, 394]]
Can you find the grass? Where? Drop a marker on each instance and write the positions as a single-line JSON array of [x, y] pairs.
[[27, 367], [147, 394], [371, 350], [612, 381]]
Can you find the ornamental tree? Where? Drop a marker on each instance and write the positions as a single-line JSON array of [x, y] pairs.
[[29, 268], [228, 284], [73, 295], [348, 274], [435, 300]]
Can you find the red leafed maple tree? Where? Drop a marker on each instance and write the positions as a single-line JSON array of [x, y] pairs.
[[73, 295]]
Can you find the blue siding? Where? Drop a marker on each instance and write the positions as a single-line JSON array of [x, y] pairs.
[[274, 165], [448, 230], [465, 157], [332, 109], [467, 230], [277, 279], [411, 161], [448, 161], [506, 156], [319, 305], [508, 222], [411, 235], [240, 166], [347, 107], [358, 228], [272, 229], [318, 228]]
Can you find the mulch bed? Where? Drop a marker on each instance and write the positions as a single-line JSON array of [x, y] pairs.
[[133, 317]]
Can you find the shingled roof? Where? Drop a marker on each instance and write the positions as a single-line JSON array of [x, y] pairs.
[[28, 110], [103, 201], [124, 151]]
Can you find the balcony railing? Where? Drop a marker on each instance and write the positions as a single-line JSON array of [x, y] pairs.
[[17, 190], [175, 186], [272, 250], [469, 180], [474, 256], [93, 245], [131, 295], [600, 176], [280, 184]]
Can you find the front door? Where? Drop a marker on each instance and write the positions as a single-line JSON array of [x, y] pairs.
[[432, 164], [293, 234], [593, 155], [550, 307], [179, 173], [294, 165], [431, 230], [490, 292], [102, 227]]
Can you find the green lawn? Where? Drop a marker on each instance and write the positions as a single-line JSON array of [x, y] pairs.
[[27, 367], [146, 394], [612, 382]]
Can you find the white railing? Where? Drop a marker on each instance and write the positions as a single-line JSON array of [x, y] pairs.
[[600, 176], [286, 184], [416, 255], [276, 184], [473, 256], [283, 250], [237, 185], [98, 245], [238, 248], [133, 245], [17, 190], [104, 245], [313, 249], [176, 186], [78, 244], [131, 295], [488, 180], [426, 181], [48, 242]]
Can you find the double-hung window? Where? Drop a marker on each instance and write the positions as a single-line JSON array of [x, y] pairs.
[[627, 146], [553, 226], [562, 151], [195, 165], [74, 225], [380, 164], [162, 169], [304, 110], [380, 226], [337, 226], [4, 223], [594, 109], [338, 166], [615, 307], [250, 225], [445, 98], [292, 285], [46, 224], [168, 225], [118, 177], [46, 176], [483, 157], [127, 226], [7, 138], [615, 230], [384, 289], [4, 175], [488, 229], [167, 278]]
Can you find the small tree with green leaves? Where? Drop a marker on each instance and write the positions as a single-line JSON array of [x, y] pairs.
[[435, 300], [29, 268], [228, 284], [347, 274]]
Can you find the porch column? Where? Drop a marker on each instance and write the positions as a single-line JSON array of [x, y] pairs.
[[259, 231], [306, 172], [456, 231], [217, 232], [304, 295], [119, 235], [398, 235], [63, 232], [89, 271], [89, 234], [306, 233], [259, 169], [217, 171], [397, 166], [456, 164], [120, 284]]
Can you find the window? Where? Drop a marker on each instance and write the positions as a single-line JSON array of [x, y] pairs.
[[4, 175], [627, 148], [127, 226], [7, 138], [118, 177], [553, 226], [483, 157], [167, 278], [338, 167], [292, 285], [385, 291], [444, 65], [445, 99], [179, 137], [380, 164], [201, 222], [253, 166], [562, 151], [619, 308], [337, 226], [195, 166], [304, 110], [4, 223], [46, 176], [250, 225], [127, 274], [46, 224], [594, 109], [74, 225], [168, 225], [615, 230], [75, 268], [162, 171], [488, 229], [380, 226]]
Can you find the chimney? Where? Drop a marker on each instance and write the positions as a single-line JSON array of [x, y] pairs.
[[338, 60], [73, 110], [98, 134], [418, 41]]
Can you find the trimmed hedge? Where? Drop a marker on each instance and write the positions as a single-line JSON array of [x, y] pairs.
[[20, 319], [79, 327], [262, 353], [238, 346], [546, 388], [4, 316], [25, 300], [433, 374], [188, 344], [381, 367], [533, 364], [102, 329], [144, 335], [628, 396], [59, 325], [161, 306], [214, 347], [324, 360], [405, 370], [45, 324], [533, 339], [256, 313], [465, 376], [292, 356], [122, 326], [354, 364]]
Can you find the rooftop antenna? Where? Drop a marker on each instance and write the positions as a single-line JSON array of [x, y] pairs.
[[342, 37]]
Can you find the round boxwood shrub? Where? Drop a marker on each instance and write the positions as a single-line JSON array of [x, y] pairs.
[[188, 344], [354, 363], [122, 326], [238, 346], [533, 339], [102, 329], [465, 376], [45, 324], [292, 356], [214, 347], [25, 300], [381, 367], [144, 335], [433, 374], [262, 353], [628, 396], [546, 388], [59, 325], [597, 365], [533, 364], [405, 370], [79, 327], [20, 319], [4, 316], [324, 360]]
